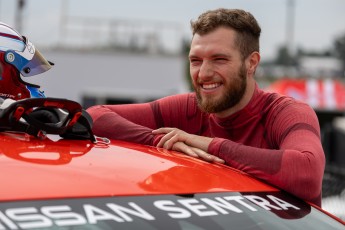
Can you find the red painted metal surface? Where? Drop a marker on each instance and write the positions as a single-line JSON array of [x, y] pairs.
[[58, 168]]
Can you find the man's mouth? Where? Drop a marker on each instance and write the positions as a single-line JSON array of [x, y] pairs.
[[210, 86]]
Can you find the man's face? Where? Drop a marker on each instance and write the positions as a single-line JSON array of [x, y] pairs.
[[218, 73]]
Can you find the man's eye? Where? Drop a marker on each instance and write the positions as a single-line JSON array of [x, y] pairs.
[[195, 61]]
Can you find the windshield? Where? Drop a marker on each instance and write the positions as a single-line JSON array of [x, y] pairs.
[[216, 211]]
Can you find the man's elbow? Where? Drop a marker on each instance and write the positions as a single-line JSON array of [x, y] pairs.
[[309, 184], [95, 111]]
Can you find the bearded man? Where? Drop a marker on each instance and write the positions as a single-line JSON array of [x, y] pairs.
[[228, 119]]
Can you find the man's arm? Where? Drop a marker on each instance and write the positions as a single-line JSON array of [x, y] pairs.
[[296, 165], [132, 122]]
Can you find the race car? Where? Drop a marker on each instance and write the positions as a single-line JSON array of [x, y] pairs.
[[55, 174], [53, 182]]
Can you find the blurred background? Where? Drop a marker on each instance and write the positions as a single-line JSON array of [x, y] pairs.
[[110, 51]]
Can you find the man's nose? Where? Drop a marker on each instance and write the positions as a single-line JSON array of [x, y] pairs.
[[206, 70]]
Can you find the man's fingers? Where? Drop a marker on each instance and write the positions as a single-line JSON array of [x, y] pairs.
[[162, 130], [170, 141], [172, 135], [197, 153], [162, 141], [174, 139], [218, 160], [182, 147], [207, 157]]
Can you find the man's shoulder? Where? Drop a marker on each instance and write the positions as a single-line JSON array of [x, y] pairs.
[[276, 102], [178, 100], [179, 97], [185, 103]]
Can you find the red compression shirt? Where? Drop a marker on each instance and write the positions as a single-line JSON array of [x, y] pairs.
[[274, 138]]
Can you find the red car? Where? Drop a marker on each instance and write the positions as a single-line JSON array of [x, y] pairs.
[[58, 183], [55, 181]]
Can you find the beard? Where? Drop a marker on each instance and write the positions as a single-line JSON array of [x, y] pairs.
[[234, 91]]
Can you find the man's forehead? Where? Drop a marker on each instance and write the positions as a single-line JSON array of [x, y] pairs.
[[218, 41]]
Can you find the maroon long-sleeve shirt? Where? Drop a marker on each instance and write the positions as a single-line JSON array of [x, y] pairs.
[[274, 138]]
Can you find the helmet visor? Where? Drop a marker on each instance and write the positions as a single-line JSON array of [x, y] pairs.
[[38, 64]]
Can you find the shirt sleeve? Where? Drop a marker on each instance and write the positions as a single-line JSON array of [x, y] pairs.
[[130, 122], [296, 166], [135, 122]]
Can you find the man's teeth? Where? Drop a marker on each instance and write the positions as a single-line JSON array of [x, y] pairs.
[[210, 86]]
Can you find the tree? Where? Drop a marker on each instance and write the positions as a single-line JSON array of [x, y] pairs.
[[339, 49], [284, 57], [185, 52]]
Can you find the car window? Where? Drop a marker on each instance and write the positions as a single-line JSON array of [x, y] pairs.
[[216, 211]]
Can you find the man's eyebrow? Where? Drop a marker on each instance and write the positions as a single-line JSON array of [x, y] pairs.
[[193, 56], [212, 56], [221, 55]]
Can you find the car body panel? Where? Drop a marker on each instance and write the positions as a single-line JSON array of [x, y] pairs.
[[54, 182], [58, 168]]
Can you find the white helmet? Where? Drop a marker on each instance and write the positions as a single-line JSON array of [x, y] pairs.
[[19, 57]]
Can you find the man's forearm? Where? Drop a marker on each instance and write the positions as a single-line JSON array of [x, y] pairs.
[[109, 124]]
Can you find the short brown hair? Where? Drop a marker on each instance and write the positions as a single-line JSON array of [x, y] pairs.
[[244, 23]]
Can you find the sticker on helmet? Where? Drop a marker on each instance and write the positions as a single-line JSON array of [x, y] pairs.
[[10, 57]]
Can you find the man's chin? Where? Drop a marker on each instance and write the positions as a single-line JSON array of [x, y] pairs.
[[208, 106], [208, 103]]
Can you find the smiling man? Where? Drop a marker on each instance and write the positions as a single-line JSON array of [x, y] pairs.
[[228, 119], [219, 72]]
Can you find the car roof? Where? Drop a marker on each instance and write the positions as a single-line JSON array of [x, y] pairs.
[[32, 168]]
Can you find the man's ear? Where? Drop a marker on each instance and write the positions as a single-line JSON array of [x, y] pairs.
[[252, 62]]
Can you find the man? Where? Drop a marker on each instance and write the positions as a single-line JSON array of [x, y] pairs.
[[228, 119]]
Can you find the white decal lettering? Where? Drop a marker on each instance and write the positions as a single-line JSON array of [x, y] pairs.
[[4, 219], [265, 204], [94, 214], [174, 212], [63, 216], [283, 204], [196, 207], [239, 199], [28, 218], [138, 211], [221, 205]]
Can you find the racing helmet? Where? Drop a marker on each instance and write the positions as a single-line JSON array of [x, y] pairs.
[[19, 58]]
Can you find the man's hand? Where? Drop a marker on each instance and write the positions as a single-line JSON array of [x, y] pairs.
[[192, 145]]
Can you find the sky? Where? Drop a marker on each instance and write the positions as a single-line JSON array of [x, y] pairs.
[[317, 23]]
